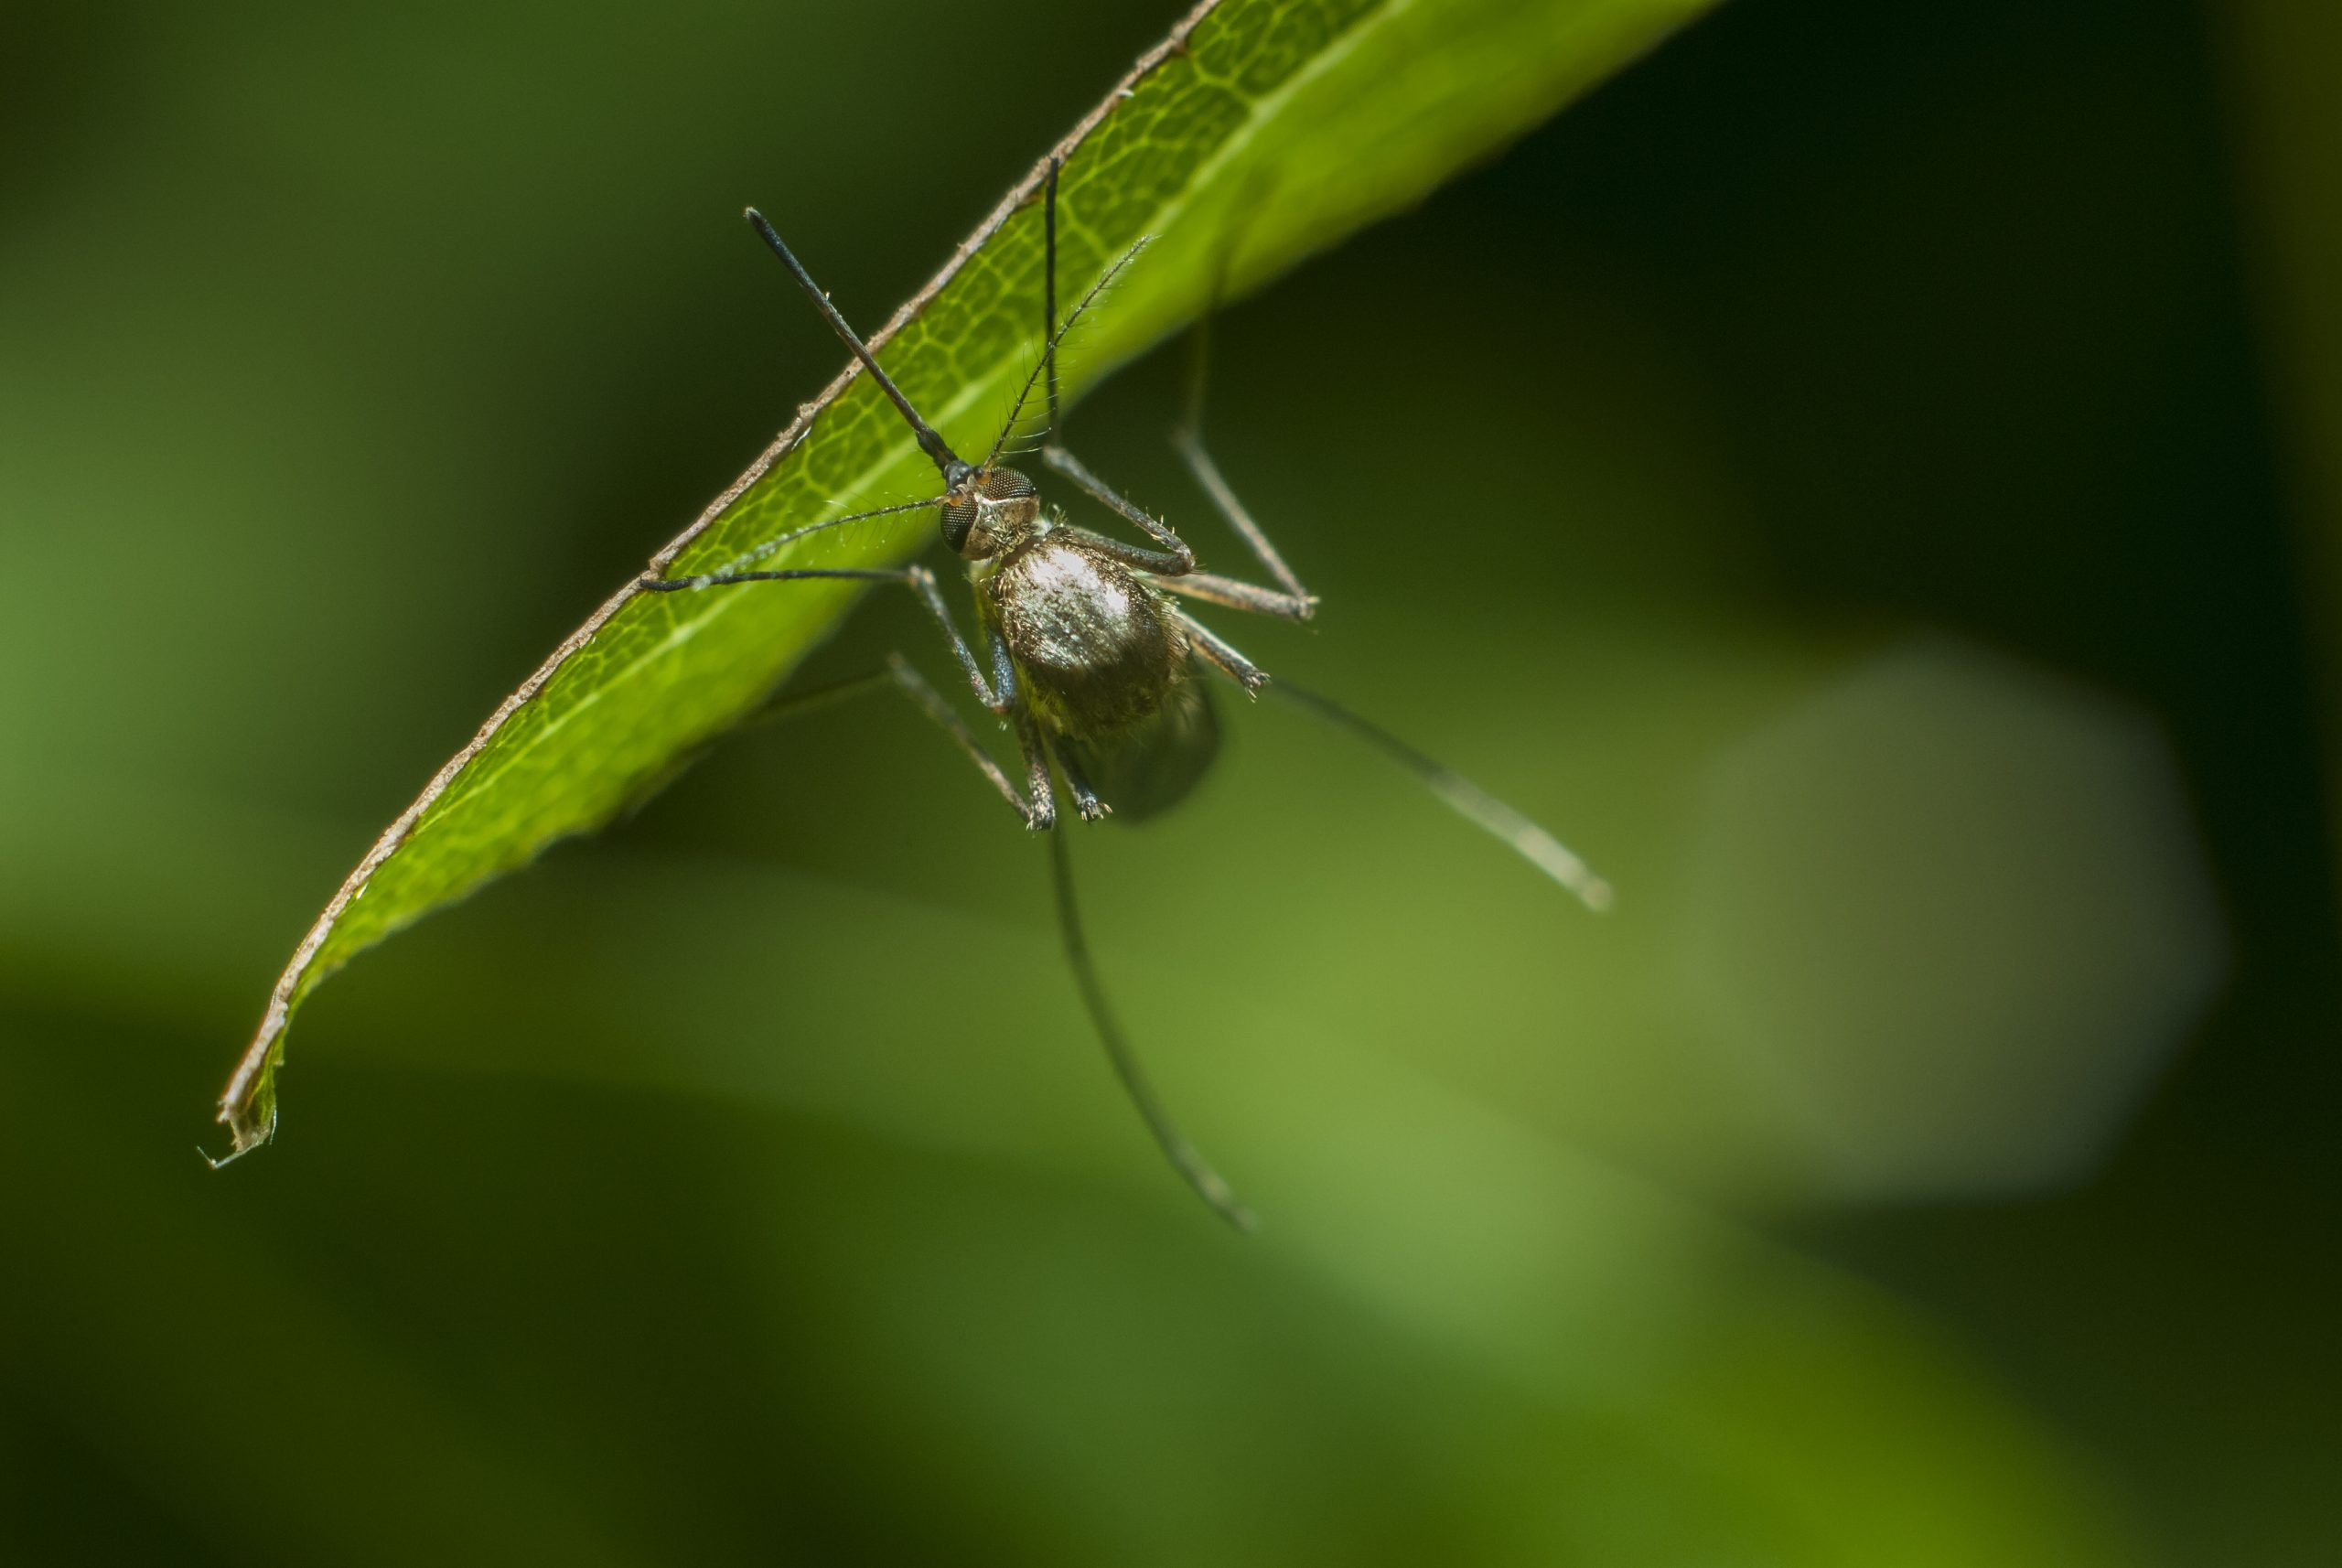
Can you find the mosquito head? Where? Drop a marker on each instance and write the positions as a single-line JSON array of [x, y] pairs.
[[989, 510]]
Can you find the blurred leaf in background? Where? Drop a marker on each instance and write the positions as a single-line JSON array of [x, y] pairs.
[[2279, 56], [1850, 417]]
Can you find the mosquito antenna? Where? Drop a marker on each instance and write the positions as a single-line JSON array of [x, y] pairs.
[[1207, 1183], [1468, 800], [750, 557], [1047, 362], [945, 458], [1050, 283]]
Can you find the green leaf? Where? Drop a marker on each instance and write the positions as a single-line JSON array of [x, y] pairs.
[[1260, 131]]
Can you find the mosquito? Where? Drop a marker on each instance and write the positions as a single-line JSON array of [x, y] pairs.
[[1089, 654]]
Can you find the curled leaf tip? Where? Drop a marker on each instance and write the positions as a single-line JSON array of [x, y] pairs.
[[251, 1120]]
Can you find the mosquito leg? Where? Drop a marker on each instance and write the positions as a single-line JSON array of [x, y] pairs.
[[1294, 602], [1217, 651], [1084, 796], [1136, 556], [1039, 810], [1250, 597], [899, 675], [1004, 663], [774, 711], [1043, 814], [788, 705], [1200, 352], [1206, 1181], [1174, 560], [1468, 800], [998, 694]]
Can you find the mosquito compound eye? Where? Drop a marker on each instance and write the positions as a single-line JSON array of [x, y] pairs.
[[959, 517], [1005, 484]]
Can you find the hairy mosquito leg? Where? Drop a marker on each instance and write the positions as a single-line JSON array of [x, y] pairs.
[[1250, 597], [1468, 800], [1217, 651], [1136, 556], [998, 694], [1206, 1182], [1294, 602], [1085, 797], [1043, 816], [1174, 560], [1038, 810]]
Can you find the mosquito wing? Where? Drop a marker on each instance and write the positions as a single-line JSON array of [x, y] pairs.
[[1153, 765]]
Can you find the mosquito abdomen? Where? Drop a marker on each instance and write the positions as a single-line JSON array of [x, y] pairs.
[[1098, 648]]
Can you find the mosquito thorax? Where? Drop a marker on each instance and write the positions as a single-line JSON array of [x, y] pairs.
[[989, 510]]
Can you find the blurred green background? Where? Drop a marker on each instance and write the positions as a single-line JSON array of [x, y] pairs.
[[1841, 478]]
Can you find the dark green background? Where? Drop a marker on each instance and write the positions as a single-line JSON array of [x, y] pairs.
[[742, 1185]]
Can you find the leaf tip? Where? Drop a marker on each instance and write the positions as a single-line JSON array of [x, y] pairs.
[[249, 1112]]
